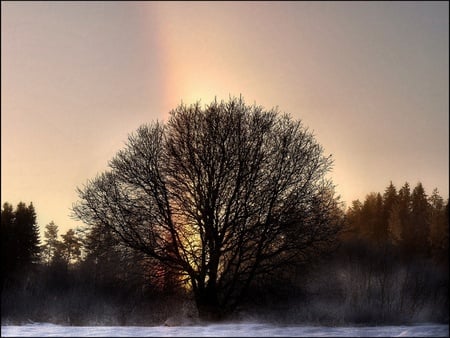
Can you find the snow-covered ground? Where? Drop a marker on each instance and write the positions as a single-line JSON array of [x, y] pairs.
[[228, 330]]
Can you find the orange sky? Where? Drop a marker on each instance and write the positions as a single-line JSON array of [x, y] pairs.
[[370, 78]]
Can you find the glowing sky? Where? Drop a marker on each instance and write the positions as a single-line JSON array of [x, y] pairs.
[[371, 79]]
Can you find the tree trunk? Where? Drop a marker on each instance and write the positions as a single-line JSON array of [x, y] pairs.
[[207, 303]]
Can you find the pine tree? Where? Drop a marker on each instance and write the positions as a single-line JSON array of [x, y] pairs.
[[371, 218], [438, 227], [404, 211], [51, 242], [420, 226], [71, 247], [8, 263], [27, 232], [19, 239], [390, 200], [353, 217]]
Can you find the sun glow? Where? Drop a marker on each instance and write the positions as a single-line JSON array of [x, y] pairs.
[[193, 73]]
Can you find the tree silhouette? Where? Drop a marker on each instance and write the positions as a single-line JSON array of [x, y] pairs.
[[51, 243], [19, 238], [390, 212], [27, 232], [404, 211], [222, 194], [420, 228], [8, 263], [438, 226], [70, 247], [371, 218]]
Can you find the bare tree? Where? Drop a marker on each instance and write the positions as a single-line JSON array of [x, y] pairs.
[[222, 194]]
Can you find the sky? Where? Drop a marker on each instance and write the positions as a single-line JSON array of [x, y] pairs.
[[370, 79]]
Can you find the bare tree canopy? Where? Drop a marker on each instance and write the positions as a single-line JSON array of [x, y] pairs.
[[223, 194]]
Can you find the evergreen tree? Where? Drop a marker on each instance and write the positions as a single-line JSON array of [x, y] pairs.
[[390, 200], [371, 218], [8, 264], [420, 226], [353, 220], [404, 212], [438, 227], [26, 229], [71, 247], [51, 243], [19, 239]]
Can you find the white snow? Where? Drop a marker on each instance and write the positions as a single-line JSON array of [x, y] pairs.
[[225, 330]]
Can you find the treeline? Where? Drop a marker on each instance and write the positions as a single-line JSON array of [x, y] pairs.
[[83, 277], [391, 267], [392, 264], [412, 223]]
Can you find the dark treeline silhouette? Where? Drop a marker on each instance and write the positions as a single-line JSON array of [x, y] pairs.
[[412, 223], [391, 267], [81, 277], [88, 277]]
